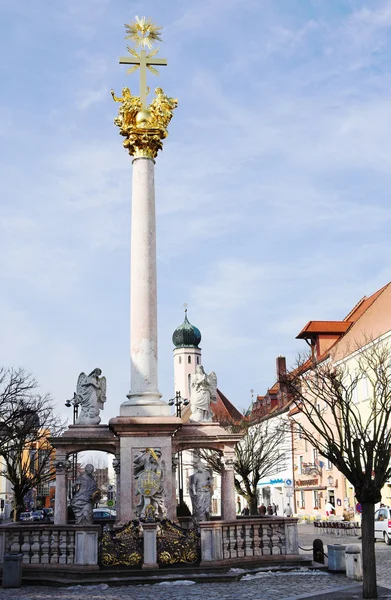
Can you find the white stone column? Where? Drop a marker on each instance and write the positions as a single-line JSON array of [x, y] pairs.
[[228, 506], [144, 397], [60, 507]]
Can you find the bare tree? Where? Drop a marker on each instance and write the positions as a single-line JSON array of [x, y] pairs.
[[26, 421], [356, 439], [261, 453]]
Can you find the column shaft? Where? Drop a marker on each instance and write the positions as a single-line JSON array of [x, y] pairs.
[[144, 396]]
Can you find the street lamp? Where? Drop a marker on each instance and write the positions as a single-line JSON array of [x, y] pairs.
[[178, 402], [75, 402]]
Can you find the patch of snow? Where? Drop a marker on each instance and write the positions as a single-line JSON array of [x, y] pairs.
[[177, 582]]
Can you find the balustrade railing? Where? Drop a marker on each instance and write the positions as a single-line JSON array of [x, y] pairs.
[[44, 544]]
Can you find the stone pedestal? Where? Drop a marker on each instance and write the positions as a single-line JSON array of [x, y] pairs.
[[150, 553], [86, 546], [144, 397]]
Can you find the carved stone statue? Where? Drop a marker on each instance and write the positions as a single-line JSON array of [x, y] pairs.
[[90, 396], [203, 392], [86, 493], [149, 472], [201, 490]]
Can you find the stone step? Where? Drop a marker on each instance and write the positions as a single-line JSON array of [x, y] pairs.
[[83, 576]]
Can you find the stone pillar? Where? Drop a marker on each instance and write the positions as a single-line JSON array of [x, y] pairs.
[[174, 465], [228, 506], [60, 509], [117, 471], [144, 397], [150, 553]]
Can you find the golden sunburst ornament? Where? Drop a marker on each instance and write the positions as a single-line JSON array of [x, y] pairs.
[[143, 32]]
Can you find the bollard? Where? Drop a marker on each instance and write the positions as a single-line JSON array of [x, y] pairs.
[[12, 570], [336, 553], [318, 551], [353, 562]]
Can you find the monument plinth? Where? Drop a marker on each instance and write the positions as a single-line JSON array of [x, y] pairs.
[[144, 128]]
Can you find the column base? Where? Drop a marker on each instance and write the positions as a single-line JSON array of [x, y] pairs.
[[144, 404]]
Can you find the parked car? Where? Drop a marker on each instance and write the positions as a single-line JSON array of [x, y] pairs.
[[104, 513], [37, 515], [26, 516], [383, 524]]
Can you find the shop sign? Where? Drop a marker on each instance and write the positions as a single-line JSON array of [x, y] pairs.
[[307, 482]]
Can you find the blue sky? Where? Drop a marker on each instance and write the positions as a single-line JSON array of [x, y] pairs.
[[273, 189]]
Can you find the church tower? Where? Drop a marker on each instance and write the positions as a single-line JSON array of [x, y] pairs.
[[187, 355]]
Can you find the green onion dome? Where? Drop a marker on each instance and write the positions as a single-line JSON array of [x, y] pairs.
[[186, 335]]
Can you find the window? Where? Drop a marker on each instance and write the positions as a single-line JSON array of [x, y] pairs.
[[365, 392], [299, 431], [198, 360], [329, 465], [189, 359], [300, 464], [188, 382], [302, 499], [180, 360], [316, 499], [314, 455]]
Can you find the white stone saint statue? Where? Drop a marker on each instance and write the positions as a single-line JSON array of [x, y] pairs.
[[201, 490], [203, 392], [86, 493], [90, 396]]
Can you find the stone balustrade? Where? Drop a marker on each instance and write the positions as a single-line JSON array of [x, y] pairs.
[[248, 539], [50, 544]]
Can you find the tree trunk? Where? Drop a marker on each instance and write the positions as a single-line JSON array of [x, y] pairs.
[[253, 505], [368, 550]]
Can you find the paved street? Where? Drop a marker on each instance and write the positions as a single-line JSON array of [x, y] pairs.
[[261, 586]]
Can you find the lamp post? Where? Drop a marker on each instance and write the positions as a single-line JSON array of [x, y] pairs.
[[75, 402], [178, 402]]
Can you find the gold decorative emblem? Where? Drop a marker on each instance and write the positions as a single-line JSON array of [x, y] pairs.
[[122, 547], [144, 126], [177, 545]]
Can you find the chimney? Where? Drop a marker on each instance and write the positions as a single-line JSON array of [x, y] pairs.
[[280, 366], [281, 371]]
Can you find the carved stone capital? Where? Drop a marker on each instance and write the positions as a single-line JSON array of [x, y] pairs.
[[143, 142], [228, 461], [116, 465], [62, 465]]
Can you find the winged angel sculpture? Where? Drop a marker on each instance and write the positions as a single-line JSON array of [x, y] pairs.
[[91, 396], [203, 392]]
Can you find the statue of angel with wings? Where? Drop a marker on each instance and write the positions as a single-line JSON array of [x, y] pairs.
[[91, 396], [203, 392]]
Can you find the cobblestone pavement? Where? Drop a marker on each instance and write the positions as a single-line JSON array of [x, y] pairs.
[[261, 586], [307, 533], [264, 586]]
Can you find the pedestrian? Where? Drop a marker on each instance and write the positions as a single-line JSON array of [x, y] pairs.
[[270, 510], [274, 509], [329, 509], [288, 511], [246, 511], [262, 509]]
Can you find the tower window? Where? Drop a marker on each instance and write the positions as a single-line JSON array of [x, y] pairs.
[[189, 359], [180, 360], [198, 360], [188, 381]]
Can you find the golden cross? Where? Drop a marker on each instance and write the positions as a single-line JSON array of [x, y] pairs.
[[145, 62]]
